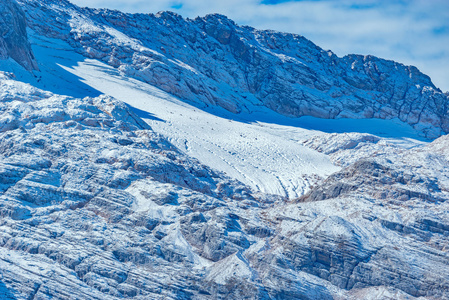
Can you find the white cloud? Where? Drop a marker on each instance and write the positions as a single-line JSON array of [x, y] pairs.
[[412, 32]]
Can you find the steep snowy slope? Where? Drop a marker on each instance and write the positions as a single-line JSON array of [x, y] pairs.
[[254, 153], [212, 61]]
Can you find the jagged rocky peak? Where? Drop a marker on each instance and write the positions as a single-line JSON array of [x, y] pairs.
[[379, 70], [13, 40], [219, 26]]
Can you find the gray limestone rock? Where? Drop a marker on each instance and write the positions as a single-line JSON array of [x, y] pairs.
[[13, 35]]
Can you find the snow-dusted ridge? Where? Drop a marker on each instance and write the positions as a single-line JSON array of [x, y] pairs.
[[211, 61], [145, 195]]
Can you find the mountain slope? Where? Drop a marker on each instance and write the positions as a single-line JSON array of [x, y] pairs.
[[101, 198], [95, 204], [87, 186], [256, 154], [213, 61]]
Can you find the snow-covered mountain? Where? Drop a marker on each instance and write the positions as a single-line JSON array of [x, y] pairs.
[[154, 157], [213, 61]]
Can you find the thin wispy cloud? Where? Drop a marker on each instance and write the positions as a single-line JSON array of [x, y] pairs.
[[414, 32]]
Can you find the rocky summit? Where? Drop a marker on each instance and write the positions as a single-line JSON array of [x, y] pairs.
[[150, 156]]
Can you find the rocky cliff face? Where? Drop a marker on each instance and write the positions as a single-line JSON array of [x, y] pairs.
[[13, 39], [213, 61]]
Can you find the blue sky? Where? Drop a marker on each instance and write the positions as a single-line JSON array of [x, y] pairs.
[[413, 32]]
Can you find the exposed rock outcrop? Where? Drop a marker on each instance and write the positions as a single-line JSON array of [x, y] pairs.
[[13, 35]]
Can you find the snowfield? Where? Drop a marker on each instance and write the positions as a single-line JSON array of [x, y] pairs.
[[265, 157]]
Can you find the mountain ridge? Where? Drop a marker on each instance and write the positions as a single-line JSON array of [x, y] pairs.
[[213, 61]]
